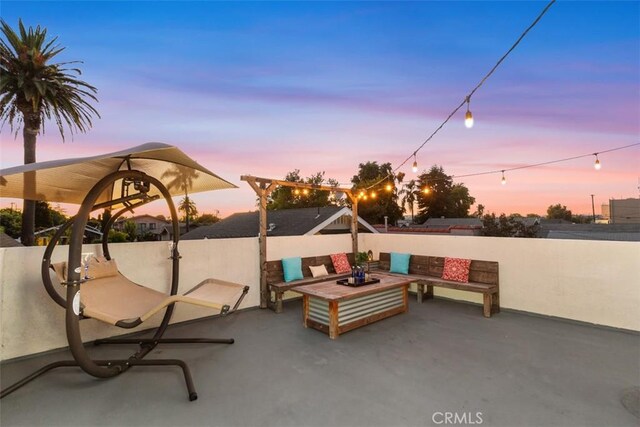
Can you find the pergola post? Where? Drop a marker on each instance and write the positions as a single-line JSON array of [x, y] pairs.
[[263, 187], [262, 190], [354, 224]]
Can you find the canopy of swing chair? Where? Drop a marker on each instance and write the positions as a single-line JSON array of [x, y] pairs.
[[69, 180]]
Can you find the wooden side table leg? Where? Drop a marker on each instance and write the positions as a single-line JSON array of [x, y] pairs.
[[333, 320], [405, 298], [305, 310]]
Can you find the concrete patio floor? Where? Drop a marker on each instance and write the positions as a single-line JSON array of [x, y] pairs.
[[443, 356]]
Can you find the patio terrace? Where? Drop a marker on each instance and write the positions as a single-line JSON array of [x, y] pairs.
[[442, 356]]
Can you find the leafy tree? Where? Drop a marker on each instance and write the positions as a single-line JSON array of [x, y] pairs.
[[131, 230], [581, 219], [479, 211], [117, 236], [558, 211], [289, 198], [445, 199], [409, 192], [386, 202], [207, 219], [507, 226], [11, 222], [46, 216], [33, 88]]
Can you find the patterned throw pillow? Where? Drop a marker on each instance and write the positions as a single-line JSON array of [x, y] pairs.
[[456, 269], [340, 263]]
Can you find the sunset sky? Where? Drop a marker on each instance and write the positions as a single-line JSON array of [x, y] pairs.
[[265, 88]]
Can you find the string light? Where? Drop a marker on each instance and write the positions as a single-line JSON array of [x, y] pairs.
[[305, 191], [597, 164], [414, 168], [388, 187], [373, 195], [504, 180], [468, 117], [426, 190], [296, 192], [470, 94]]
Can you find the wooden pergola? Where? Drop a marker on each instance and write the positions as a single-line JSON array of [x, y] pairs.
[[265, 186]]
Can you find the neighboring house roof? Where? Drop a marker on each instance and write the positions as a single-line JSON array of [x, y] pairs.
[[619, 232], [7, 241], [452, 222], [284, 222]]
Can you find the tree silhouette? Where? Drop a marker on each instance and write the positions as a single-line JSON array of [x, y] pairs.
[[181, 177], [32, 89]]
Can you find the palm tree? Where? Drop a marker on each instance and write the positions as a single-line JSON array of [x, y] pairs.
[[33, 89], [188, 206], [409, 195], [182, 178]]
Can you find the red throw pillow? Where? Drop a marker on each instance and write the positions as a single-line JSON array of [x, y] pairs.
[[340, 263], [456, 269]]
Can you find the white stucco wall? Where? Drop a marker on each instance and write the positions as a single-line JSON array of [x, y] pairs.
[[590, 281], [31, 322]]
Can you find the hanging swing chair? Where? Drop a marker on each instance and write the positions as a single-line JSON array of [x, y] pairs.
[[94, 288]]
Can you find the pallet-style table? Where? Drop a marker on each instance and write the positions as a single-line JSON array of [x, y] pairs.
[[335, 309]]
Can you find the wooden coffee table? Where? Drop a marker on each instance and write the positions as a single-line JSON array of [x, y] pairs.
[[335, 309]]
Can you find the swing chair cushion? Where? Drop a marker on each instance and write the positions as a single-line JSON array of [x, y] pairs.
[[115, 299]]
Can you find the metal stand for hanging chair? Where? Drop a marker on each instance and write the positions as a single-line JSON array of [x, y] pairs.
[[135, 186]]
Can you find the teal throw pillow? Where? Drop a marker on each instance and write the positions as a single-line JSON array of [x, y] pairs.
[[399, 263], [292, 268]]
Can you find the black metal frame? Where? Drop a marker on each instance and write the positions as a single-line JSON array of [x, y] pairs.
[[111, 368]]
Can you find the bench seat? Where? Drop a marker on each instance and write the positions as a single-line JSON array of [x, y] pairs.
[[277, 286], [427, 272]]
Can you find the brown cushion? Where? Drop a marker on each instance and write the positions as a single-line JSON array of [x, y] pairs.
[[101, 267]]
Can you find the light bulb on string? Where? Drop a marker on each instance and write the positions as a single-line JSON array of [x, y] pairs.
[[504, 180], [597, 164], [296, 192], [414, 168], [426, 190], [305, 191], [388, 187], [373, 195], [468, 117]]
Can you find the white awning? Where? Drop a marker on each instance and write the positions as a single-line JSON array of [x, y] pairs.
[[69, 180]]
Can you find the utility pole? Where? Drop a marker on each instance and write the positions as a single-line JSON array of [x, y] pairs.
[[593, 209]]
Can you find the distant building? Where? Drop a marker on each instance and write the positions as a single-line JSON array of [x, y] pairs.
[[622, 211], [284, 222], [160, 228]]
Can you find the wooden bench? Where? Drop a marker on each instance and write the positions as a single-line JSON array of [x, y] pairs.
[[277, 286], [427, 272]]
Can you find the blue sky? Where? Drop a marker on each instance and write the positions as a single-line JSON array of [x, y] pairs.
[[264, 88]]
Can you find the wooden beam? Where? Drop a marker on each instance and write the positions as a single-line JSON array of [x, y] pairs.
[[282, 183]]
